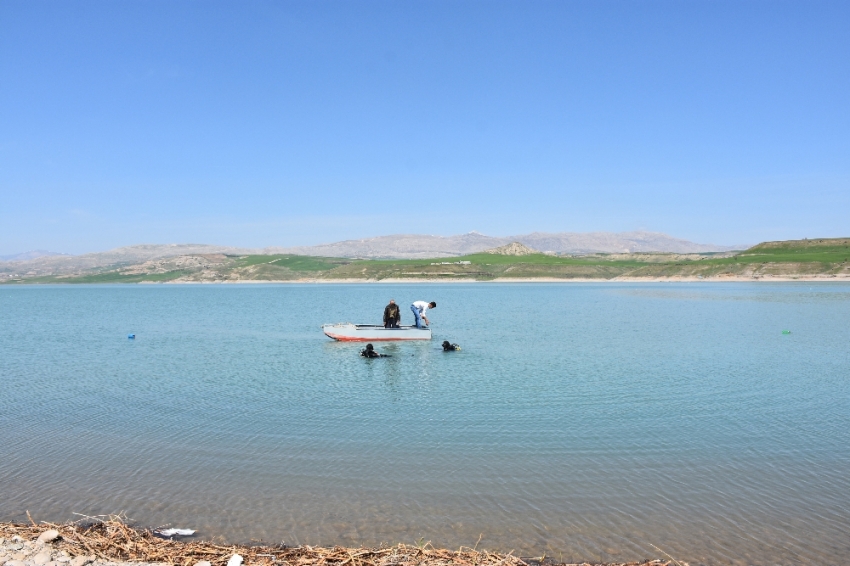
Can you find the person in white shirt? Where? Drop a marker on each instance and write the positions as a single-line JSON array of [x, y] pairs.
[[419, 309]]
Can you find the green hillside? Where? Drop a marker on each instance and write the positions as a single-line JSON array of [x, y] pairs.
[[300, 263], [821, 250], [795, 258]]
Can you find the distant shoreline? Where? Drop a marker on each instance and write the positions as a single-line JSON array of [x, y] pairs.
[[529, 280], [840, 278]]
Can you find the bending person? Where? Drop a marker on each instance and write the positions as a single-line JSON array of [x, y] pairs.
[[419, 309]]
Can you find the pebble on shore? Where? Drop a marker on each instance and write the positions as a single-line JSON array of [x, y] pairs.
[[40, 552]]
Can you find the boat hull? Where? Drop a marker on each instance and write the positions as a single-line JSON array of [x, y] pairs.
[[348, 332]]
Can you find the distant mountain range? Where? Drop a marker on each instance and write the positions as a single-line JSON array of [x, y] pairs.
[[25, 256], [419, 246], [399, 246]]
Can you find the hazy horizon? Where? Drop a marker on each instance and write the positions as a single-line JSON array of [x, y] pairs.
[[5, 255]]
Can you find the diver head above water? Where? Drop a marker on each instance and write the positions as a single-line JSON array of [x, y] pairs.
[[369, 352]]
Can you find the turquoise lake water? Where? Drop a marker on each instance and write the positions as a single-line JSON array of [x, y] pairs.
[[586, 421]]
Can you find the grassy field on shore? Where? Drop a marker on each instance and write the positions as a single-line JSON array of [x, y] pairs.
[[794, 258]]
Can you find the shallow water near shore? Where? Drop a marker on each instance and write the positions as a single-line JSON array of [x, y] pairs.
[[586, 421]]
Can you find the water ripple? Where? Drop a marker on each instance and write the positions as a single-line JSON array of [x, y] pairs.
[[587, 422]]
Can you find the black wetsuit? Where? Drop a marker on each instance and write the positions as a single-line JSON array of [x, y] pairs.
[[369, 352]]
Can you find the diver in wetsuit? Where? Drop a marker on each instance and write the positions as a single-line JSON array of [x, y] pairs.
[[449, 347], [370, 352]]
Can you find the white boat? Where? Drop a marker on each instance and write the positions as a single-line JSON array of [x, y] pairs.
[[347, 332]]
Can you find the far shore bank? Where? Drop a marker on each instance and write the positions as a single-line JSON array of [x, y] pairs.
[[768, 279], [800, 260], [530, 280]]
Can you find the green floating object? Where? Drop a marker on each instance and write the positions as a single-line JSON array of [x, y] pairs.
[[786, 332]]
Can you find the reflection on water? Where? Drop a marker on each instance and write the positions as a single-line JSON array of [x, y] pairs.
[[583, 421]]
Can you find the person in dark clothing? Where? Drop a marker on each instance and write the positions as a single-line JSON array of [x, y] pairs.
[[448, 347], [370, 352], [392, 315]]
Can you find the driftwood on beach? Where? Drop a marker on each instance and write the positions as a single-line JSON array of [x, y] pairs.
[[113, 540]]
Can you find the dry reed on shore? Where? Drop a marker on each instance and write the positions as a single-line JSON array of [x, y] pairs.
[[112, 539]]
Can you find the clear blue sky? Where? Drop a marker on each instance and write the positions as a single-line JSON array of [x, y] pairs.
[[281, 123]]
